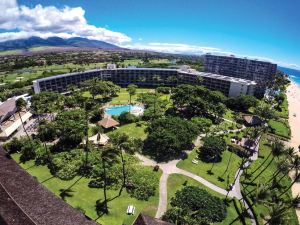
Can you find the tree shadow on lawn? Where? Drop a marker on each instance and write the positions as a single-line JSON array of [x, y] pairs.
[[28, 168], [65, 193], [47, 179], [68, 191]]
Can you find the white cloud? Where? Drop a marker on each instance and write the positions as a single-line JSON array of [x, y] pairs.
[[51, 21], [176, 48]]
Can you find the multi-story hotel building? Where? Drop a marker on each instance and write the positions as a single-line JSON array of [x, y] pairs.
[[148, 77], [255, 70]]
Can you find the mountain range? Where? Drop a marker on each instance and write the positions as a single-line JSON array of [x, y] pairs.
[[24, 44]]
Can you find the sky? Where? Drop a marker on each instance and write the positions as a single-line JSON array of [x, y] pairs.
[[268, 29]]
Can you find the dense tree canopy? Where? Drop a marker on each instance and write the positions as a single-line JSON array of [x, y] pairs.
[[47, 102], [212, 148], [198, 101], [195, 206], [168, 137], [95, 86], [242, 102], [71, 126], [202, 123]]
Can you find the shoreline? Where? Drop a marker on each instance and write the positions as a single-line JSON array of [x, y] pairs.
[[293, 97]]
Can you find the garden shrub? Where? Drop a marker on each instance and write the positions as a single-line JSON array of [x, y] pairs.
[[67, 164], [143, 183], [126, 117], [163, 90], [193, 205], [212, 149], [13, 146]]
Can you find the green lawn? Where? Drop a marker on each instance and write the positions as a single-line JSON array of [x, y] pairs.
[[176, 182], [284, 109], [219, 168], [224, 125], [123, 96], [260, 208], [85, 197], [280, 128], [37, 71], [132, 130]]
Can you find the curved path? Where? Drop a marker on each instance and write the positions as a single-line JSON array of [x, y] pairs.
[[170, 168]]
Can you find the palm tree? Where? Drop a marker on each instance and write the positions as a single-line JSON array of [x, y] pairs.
[[124, 144], [199, 80], [108, 155], [283, 166], [121, 140], [141, 79], [20, 105], [131, 89], [86, 135], [294, 203], [289, 187], [277, 149], [157, 79], [277, 215]]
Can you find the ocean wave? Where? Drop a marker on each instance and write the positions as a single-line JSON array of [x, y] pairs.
[[293, 76]]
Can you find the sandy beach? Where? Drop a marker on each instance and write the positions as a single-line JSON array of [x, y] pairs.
[[293, 96]]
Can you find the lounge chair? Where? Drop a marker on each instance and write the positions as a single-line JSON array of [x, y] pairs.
[[130, 210], [195, 161]]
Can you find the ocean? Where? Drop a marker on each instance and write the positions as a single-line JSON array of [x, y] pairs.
[[294, 74]]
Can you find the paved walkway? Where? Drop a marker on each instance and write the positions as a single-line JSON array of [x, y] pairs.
[[170, 168]]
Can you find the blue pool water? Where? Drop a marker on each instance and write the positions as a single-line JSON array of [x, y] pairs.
[[117, 110]]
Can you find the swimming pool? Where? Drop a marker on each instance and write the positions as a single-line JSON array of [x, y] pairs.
[[117, 110]]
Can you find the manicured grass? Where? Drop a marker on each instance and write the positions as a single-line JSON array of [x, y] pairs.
[[261, 208], [224, 126], [123, 96], [280, 128], [85, 197], [177, 181], [37, 71], [219, 169], [284, 110], [132, 130]]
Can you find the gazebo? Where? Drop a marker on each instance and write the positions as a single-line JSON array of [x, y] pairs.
[[97, 139], [252, 120], [108, 123]]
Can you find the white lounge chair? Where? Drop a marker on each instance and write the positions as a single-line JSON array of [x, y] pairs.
[[195, 161], [130, 210]]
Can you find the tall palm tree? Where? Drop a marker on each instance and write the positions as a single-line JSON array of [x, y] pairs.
[[277, 149], [157, 80], [289, 187], [131, 89], [20, 105], [294, 202], [120, 140], [277, 215], [289, 163], [108, 155], [86, 135], [124, 144], [283, 166]]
